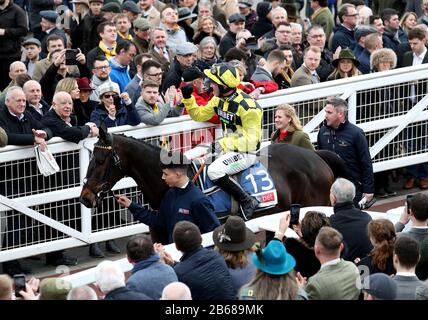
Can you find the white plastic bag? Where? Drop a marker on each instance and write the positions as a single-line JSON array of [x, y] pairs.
[[45, 161]]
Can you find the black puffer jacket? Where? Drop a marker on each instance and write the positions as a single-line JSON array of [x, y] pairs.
[[350, 143], [14, 21]]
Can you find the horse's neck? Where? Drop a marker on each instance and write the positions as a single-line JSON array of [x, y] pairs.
[[143, 167]]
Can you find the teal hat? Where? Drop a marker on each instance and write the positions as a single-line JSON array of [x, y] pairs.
[[274, 259]]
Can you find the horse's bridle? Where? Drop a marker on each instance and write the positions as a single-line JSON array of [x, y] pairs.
[[106, 186]]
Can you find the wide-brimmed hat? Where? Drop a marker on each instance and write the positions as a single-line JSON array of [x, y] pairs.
[[184, 13], [274, 259], [234, 235], [345, 54], [84, 84]]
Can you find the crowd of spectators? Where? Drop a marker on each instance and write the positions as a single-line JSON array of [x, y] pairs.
[[123, 63]]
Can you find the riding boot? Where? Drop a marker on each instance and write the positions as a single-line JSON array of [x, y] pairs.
[[248, 203]]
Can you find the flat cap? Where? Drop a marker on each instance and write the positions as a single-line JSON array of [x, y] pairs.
[[32, 41], [49, 15], [380, 286], [131, 6], [100, 1], [237, 17], [362, 31], [111, 7], [186, 48], [245, 3], [142, 24], [85, 2]]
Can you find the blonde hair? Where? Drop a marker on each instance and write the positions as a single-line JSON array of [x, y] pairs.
[[405, 16], [5, 287], [339, 74], [66, 84], [291, 113]]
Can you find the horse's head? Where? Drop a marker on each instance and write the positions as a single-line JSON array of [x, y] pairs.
[[104, 171]]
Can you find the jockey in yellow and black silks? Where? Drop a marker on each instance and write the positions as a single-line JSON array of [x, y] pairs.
[[241, 119]]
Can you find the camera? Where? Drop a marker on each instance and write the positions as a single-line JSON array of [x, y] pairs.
[[294, 214], [70, 56], [251, 43], [19, 281]]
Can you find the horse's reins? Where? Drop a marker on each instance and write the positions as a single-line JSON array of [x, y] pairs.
[[197, 174]]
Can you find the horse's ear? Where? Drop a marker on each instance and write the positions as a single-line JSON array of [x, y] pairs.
[[103, 132]]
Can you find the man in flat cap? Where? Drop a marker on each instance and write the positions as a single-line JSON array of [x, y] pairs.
[[236, 24], [246, 9], [360, 34], [48, 25], [13, 26], [32, 49], [131, 9], [185, 57], [142, 34], [110, 10]]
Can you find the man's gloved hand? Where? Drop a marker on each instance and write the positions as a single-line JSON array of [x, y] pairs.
[[216, 147], [186, 91]]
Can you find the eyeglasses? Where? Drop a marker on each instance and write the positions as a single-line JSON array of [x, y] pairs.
[[154, 74], [101, 67], [110, 95]]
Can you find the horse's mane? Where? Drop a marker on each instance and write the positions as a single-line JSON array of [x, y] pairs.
[[145, 143]]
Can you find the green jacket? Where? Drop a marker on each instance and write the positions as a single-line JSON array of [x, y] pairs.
[[297, 138], [324, 18], [334, 282]]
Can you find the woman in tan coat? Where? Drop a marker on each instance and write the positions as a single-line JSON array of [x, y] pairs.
[[289, 129]]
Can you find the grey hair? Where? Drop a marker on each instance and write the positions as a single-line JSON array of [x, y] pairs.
[[294, 25], [82, 293], [176, 291], [207, 40], [13, 64], [108, 276], [9, 92], [339, 104], [343, 190], [278, 10]]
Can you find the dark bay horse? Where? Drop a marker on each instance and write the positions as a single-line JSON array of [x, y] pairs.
[[300, 175]]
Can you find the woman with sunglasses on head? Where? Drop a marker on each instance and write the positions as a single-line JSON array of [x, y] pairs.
[[115, 109]]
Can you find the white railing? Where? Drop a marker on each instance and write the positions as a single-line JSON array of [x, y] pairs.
[[51, 218]]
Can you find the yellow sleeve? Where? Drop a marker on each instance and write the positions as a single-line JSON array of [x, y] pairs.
[[200, 113], [247, 137]]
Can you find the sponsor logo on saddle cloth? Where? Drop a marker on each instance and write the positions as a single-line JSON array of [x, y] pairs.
[[255, 180]]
